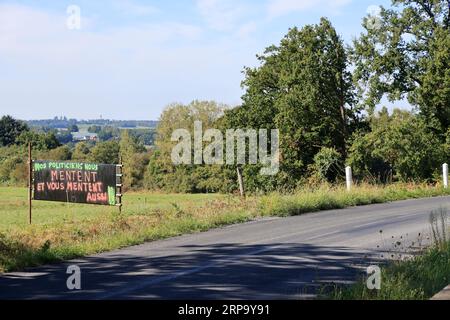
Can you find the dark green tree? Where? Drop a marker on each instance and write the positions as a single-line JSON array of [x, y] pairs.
[[302, 88], [94, 129], [10, 130], [73, 128], [404, 52], [39, 141], [108, 133], [64, 137]]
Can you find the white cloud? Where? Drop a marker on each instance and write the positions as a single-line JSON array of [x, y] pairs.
[[47, 68], [132, 8], [28, 32], [277, 8], [222, 15], [247, 29]]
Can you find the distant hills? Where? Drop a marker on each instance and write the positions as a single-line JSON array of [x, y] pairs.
[[63, 122]]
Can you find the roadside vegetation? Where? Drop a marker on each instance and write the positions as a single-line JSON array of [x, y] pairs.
[[418, 278], [64, 231]]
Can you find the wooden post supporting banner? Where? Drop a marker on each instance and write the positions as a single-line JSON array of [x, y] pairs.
[[30, 183], [119, 183], [241, 181]]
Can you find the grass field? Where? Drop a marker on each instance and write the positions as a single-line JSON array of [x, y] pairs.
[[62, 231], [14, 207]]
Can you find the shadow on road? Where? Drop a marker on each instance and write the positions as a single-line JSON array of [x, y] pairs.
[[221, 271]]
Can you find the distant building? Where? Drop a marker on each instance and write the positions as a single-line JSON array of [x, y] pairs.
[[84, 136]]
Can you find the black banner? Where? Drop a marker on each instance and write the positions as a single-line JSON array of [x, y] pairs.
[[74, 182]]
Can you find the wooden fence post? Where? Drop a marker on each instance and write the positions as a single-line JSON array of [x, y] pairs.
[[241, 181]]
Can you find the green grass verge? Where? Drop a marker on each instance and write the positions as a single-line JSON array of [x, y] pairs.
[[417, 279], [324, 198], [64, 231]]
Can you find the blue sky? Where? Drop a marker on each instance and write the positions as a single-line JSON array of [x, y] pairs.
[[131, 58]]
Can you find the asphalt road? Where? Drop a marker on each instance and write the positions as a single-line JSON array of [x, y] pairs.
[[283, 258]]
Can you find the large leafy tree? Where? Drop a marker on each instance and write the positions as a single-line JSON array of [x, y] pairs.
[[163, 174], [404, 53], [10, 130], [39, 141], [302, 88]]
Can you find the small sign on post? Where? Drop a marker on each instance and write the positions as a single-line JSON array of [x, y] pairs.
[[348, 178], [445, 174]]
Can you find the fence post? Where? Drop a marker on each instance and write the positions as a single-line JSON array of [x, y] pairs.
[[119, 184], [30, 182], [348, 178], [240, 181], [445, 174]]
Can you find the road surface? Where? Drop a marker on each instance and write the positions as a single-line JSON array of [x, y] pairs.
[[278, 258]]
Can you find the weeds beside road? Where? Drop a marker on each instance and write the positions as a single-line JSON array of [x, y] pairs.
[[420, 277]]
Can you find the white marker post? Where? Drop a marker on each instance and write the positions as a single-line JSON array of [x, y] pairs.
[[445, 175], [348, 177]]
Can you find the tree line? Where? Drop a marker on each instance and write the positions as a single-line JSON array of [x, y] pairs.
[[64, 122]]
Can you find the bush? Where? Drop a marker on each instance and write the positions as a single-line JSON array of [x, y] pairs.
[[328, 165], [13, 168], [8, 172]]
